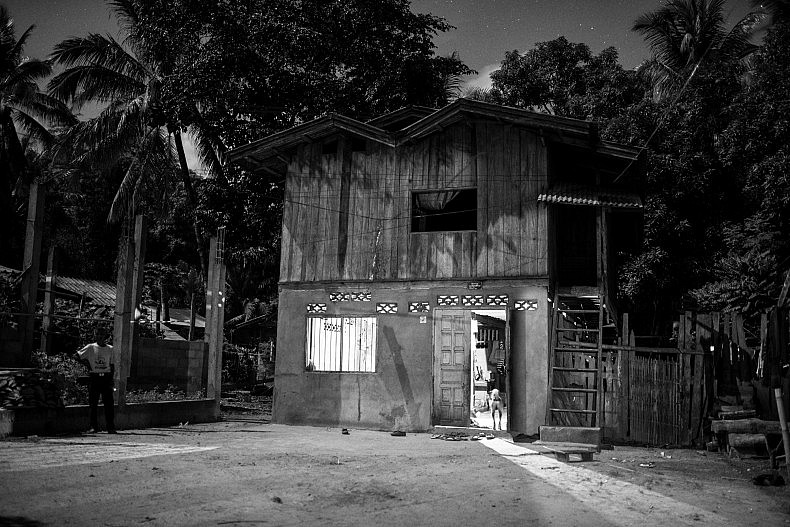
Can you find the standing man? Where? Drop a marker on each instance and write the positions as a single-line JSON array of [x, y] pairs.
[[101, 366]]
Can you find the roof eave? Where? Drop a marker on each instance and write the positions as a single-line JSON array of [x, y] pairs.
[[272, 145]]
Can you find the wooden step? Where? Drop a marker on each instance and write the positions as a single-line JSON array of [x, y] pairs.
[[572, 411], [579, 370], [738, 414], [584, 435], [563, 451], [580, 390], [745, 426]]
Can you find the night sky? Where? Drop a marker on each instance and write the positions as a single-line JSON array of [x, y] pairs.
[[485, 28]]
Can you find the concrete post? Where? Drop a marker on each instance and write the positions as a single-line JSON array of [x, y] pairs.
[[140, 236], [49, 303], [127, 292], [215, 315], [30, 267]]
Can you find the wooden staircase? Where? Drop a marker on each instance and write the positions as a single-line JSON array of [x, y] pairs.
[[575, 382]]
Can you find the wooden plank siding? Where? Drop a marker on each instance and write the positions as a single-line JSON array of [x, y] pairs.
[[347, 214]]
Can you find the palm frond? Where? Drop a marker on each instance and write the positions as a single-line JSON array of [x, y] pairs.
[[103, 140], [25, 71], [208, 145], [45, 108], [126, 12], [32, 128], [16, 51], [123, 200], [100, 50], [84, 84]]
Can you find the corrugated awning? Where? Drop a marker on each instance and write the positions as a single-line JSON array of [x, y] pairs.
[[569, 194], [96, 291]]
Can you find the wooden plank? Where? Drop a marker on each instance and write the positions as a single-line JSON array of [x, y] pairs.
[[388, 246], [417, 252], [624, 364], [368, 225], [540, 173], [511, 189], [356, 256], [496, 200], [322, 203], [457, 255], [405, 161], [375, 187], [434, 154], [466, 173], [334, 176], [311, 200], [481, 166], [299, 210], [431, 242], [291, 180]]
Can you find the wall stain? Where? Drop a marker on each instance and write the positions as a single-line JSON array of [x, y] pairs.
[[411, 408], [359, 401]]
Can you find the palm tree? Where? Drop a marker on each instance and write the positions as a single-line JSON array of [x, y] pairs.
[[25, 113], [776, 10], [143, 114], [682, 34]]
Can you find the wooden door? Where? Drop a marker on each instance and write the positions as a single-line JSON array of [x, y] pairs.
[[452, 370]]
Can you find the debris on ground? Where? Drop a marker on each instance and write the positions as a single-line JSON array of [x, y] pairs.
[[771, 479]]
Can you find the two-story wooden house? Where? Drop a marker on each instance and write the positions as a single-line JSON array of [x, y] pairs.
[[401, 232]]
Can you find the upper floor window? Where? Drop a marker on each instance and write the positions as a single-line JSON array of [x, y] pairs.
[[444, 210]]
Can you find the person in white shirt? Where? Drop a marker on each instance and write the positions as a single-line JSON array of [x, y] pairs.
[[99, 358]]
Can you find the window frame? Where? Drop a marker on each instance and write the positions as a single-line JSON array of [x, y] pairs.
[[372, 340], [412, 208]]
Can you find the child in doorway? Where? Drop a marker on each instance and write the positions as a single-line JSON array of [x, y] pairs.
[[496, 405]]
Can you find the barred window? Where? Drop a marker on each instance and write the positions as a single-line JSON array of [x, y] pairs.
[[346, 344]]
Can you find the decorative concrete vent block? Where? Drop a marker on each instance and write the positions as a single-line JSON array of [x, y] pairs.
[[361, 296], [339, 297], [419, 307], [316, 308], [473, 300], [447, 300], [526, 305], [387, 307], [496, 300]]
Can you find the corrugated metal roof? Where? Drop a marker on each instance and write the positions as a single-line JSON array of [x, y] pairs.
[[569, 194], [95, 291]]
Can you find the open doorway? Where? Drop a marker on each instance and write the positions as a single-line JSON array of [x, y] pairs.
[[488, 330]]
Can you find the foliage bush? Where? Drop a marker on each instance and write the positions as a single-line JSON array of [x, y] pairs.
[[169, 393], [238, 366], [63, 370]]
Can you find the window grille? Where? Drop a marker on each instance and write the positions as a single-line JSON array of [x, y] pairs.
[[341, 344]]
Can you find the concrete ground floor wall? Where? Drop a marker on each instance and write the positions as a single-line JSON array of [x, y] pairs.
[[399, 394], [72, 419]]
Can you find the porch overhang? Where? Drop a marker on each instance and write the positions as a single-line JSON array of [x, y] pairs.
[[588, 195]]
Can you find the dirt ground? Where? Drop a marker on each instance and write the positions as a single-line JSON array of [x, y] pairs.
[[246, 471], [709, 480]]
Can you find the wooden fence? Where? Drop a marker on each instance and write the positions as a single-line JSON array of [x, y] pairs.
[[662, 396]]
